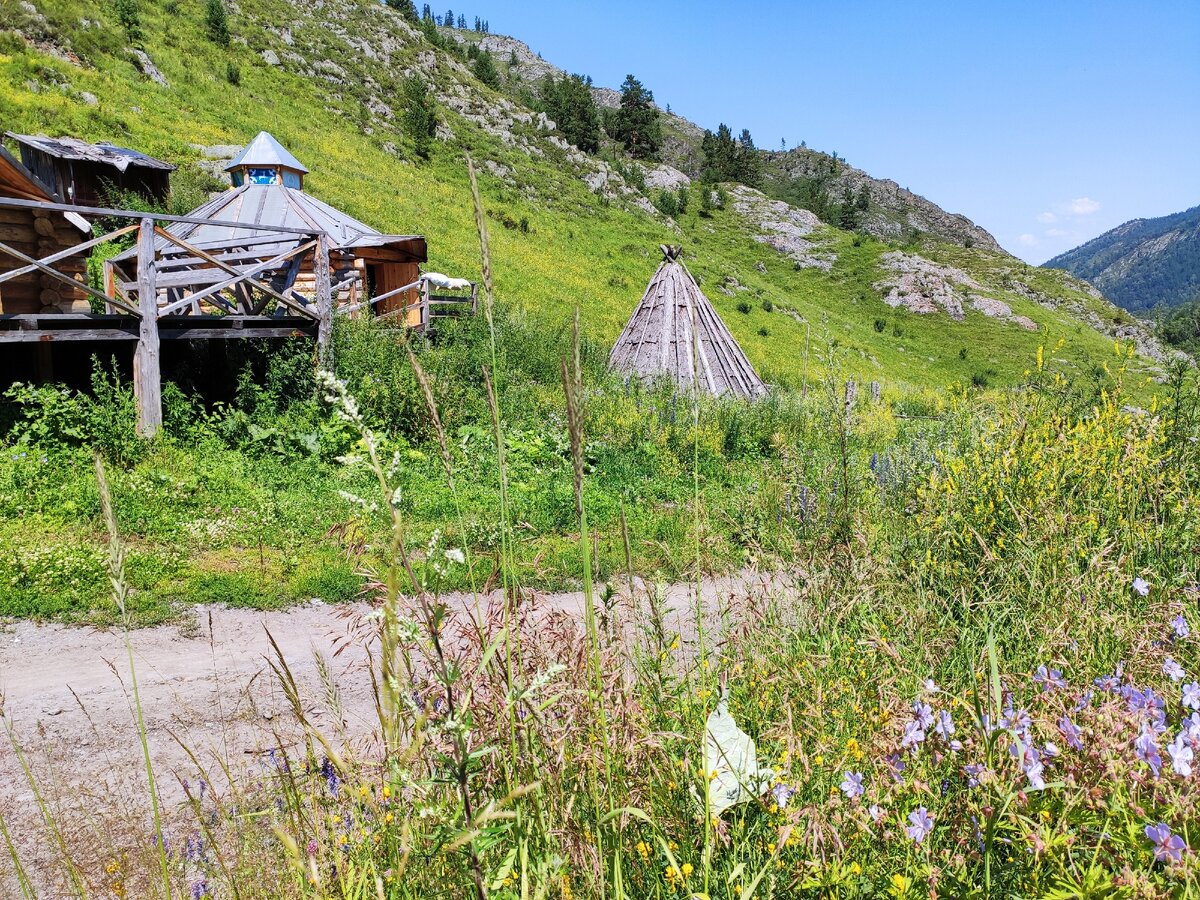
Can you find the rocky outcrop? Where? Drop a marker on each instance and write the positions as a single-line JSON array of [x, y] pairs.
[[923, 287], [892, 211], [783, 227]]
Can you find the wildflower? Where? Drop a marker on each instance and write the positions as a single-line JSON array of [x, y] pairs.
[[329, 773], [944, 726], [1179, 627], [782, 794], [1141, 586], [973, 771], [1191, 695], [899, 883], [1180, 751], [1173, 670], [920, 825], [1049, 679], [1147, 750], [1167, 846], [914, 735], [922, 714], [1017, 720], [1031, 763], [931, 686], [852, 784], [686, 869], [643, 850], [896, 766], [1071, 732], [876, 812], [200, 889]]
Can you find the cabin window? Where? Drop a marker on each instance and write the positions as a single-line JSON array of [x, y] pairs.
[[237, 177], [291, 179], [262, 176]]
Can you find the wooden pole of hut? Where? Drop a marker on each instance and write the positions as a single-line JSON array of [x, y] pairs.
[[324, 300], [147, 364]]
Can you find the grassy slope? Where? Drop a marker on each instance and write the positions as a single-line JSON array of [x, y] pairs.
[[580, 249]]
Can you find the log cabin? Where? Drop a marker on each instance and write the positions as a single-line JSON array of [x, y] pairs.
[[38, 233], [93, 174]]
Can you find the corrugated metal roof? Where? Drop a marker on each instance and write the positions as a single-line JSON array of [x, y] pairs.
[[120, 158], [659, 340], [264, 151], [18, 182]]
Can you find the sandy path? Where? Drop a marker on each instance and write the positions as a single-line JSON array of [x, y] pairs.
[[207, 685]]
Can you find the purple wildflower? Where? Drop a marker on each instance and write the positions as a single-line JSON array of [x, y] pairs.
[[1179, 627], [1141, 586], [913, 735], [1071, 733], [1049, 679], [1191, 695], [852, 784], [944, 726], [330, 774], [922, 715], [200, 889], [921, 824], [931, 686], [876, 812], [1168, 847], [312, 848], [782, 794], [1173, 670], [896, 765], [1017, 720], [1180, 751], [1031, 763], [973, 771], [1147, 750]]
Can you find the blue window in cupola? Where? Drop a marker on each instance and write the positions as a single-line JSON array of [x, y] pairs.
[[291, 179], [262, 176]]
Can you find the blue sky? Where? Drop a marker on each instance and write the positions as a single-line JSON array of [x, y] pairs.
[[1047, 123]]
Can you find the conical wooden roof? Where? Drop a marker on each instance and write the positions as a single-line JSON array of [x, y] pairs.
[[659, 340]]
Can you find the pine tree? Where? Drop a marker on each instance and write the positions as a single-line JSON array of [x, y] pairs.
[[420, 115], [478, 24], [569, 102], [130, 20], [636, 123], [216, 22], [448, 18], [426, 13], [406, 8], [462, 21], [487, 29], [485, 70]]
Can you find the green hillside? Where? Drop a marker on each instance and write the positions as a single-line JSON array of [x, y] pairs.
[[567, 228], [1144, 263]]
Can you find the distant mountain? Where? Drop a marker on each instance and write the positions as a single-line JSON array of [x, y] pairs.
[[1142, 263]]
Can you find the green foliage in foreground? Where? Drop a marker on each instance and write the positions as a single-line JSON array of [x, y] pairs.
[[922, 681]]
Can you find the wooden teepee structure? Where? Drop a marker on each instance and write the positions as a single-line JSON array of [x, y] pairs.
[[674, 332]]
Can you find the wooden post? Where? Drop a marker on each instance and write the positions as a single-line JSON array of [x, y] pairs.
[[147, 367], [324, 300]]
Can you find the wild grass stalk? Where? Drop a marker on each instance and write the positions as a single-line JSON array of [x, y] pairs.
[[120, 594]]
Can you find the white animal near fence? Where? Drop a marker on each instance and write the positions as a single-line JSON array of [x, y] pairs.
[[437, 279]]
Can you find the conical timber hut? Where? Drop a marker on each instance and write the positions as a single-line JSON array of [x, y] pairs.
[[675, 333]]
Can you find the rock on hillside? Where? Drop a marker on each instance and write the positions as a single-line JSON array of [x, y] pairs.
[[1142, 263], [893, 209], [787, 229]]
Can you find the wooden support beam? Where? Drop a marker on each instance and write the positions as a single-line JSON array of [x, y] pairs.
[[324, 300], [147, 366], [70, 251], [162, 217], [67, 279], [239, 275]]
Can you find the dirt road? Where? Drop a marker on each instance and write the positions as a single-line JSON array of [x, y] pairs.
[[205, 685]]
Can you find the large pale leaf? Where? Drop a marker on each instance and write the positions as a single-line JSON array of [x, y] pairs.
[[729, 752]]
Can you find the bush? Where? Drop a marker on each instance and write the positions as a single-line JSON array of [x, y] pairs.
[[744, 307], [767, 305]]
